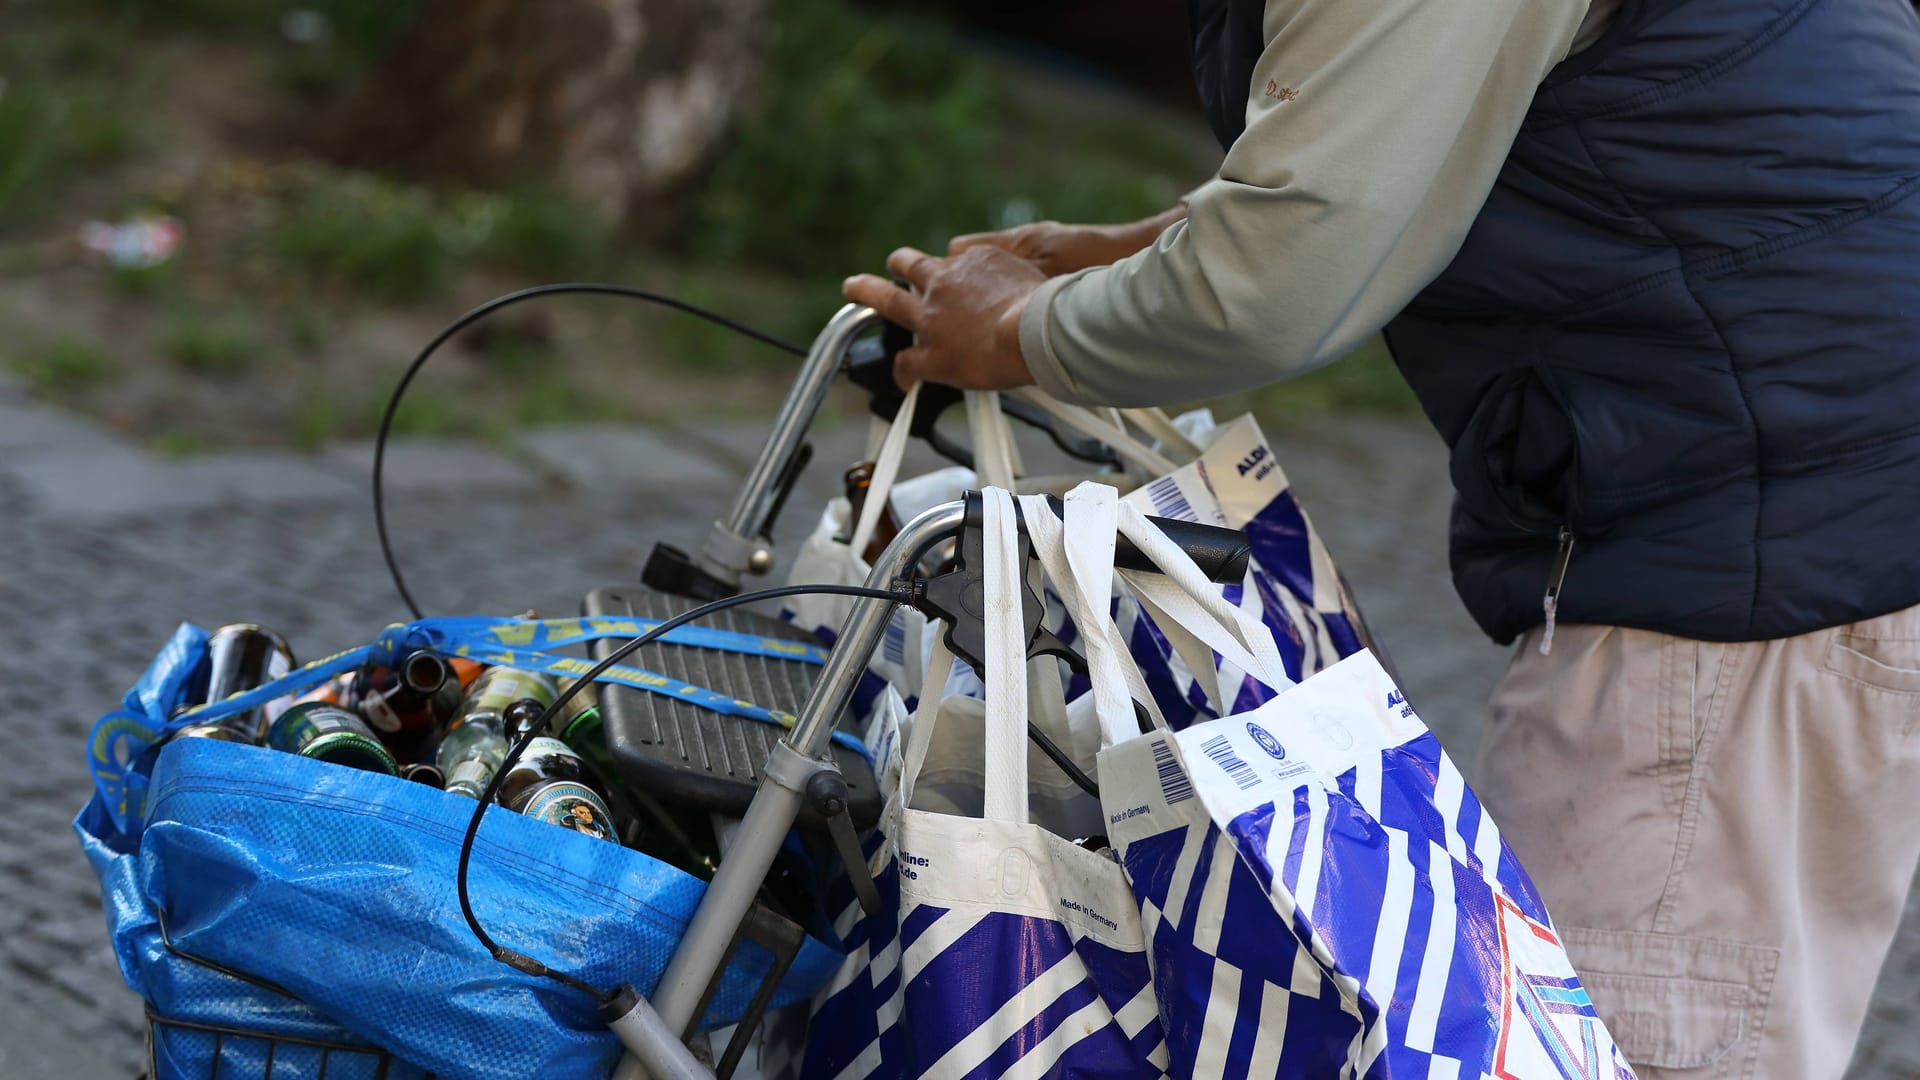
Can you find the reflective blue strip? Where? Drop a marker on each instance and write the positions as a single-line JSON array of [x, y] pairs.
[[639, 679], [120, 737], [443, 635], [552, 635]]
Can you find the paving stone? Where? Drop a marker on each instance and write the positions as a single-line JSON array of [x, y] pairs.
[[34, 1045], [30, 429], [601, 457], [419, 466], [117, 481]]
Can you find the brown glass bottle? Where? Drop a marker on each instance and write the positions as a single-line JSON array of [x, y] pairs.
[[405, 704], [859, 481], [552, 783]]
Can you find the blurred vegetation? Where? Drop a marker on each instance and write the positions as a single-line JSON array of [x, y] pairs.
[[65, 107], [218, 345], [868, 131], [873, 132], [64, 367], [400, 243]]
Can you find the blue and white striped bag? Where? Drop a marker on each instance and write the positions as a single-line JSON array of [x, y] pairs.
[[1291, 584], [1322, 894], [1000, 948]]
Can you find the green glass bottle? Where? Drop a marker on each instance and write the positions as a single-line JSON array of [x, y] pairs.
[[326, 732]]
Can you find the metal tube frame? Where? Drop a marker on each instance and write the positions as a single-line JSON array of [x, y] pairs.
[[797, 757], [737, 544]]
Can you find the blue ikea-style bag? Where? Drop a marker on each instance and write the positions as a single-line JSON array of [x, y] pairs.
[[313, 903]]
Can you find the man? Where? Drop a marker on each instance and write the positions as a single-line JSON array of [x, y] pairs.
[[1653, 268]]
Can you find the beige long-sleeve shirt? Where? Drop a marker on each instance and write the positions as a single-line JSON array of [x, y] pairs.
[[1375, 130]]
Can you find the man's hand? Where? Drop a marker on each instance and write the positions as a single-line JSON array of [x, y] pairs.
[[1062, 249], [966, 313]]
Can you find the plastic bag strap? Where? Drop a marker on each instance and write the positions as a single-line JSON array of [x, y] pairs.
[[1156, 423], [926, 713], [996, 460], [1006, 659], [886, 470], [1181, 596], [1132, 450], [1078, 558]]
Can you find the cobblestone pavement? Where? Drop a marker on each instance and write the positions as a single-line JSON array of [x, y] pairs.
[[103, 550]]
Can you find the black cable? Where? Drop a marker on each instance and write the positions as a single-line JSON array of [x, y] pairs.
[[520, 961], [481, 312]]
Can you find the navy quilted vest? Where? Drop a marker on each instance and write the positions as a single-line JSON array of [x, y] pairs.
[[1682, 338]]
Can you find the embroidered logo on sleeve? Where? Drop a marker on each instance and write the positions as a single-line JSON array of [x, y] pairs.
[[1281, 93]]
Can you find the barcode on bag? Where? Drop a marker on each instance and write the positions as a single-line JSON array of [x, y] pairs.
[[894, 646], [1168, 501], [1174, 785], [1221, 751]]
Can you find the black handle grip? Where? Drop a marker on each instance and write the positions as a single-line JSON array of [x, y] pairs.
[[1221, 554]]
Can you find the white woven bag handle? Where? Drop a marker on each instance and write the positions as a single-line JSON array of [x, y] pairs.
[[1131, 449], [1006, 660], [933, 690], [1181, 598], [886, 470], [1078, 556]]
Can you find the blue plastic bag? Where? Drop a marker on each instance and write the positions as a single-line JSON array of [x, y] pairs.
[[338, 886]]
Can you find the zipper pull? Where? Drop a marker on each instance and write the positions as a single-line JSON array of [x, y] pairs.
[[1551, 601]]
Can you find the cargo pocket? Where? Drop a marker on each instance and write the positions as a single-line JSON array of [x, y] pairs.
[[1693, 1006], [1889, 664]]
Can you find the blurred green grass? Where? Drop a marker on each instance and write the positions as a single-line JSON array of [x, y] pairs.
[[65, 367], [873, 132], [867, 131], [65, 108]]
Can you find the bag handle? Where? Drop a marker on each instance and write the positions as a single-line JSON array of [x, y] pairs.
[[1181, 598], [1156, 423], [933, 690], [1132, 450], [1078, 557], [1006, 659], [996, 458], [886, 469]]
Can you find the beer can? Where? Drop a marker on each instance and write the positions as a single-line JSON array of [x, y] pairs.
[[329, 733]]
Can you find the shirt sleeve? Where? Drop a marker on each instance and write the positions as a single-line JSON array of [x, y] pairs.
[[1374, 132]]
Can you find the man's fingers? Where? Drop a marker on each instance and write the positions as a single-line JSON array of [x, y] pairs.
[[910, 366], [894, 303], [979, 239], [913, 264]]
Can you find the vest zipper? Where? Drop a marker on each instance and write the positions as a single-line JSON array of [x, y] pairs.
[[1551, 601]]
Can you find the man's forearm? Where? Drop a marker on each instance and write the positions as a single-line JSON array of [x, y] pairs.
[[1372, 139]]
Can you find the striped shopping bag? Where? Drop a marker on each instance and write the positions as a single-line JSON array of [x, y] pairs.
[[1291, 585], [999, 948], [1321, 892]]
